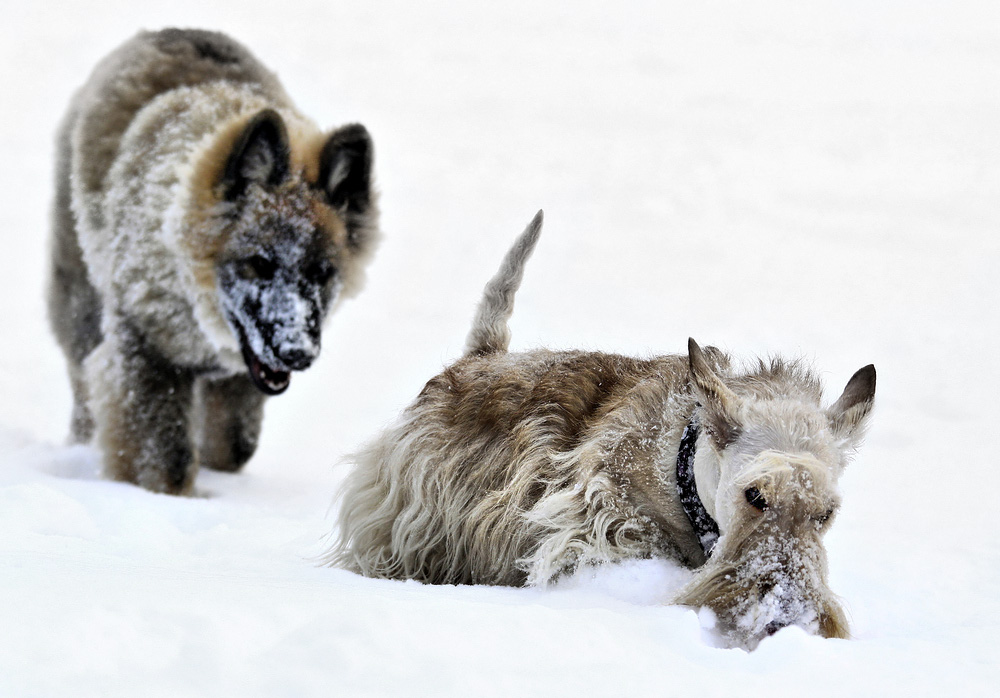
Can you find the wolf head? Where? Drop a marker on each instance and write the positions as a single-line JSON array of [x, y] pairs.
[[292, 239], [768, 469]]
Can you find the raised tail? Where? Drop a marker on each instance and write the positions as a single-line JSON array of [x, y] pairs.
[[489, 331]]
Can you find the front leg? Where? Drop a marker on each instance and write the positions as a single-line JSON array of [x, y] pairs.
[[141, 404], [228, 417]]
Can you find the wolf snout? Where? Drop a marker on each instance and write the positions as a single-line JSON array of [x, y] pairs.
[[773, 627], [297, 358], [295, 344], [821, 616]]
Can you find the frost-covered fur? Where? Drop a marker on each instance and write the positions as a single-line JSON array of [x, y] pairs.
[[203, 229], [516, 468]]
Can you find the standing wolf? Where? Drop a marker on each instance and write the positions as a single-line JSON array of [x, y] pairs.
[[203, 229], [516, 468]]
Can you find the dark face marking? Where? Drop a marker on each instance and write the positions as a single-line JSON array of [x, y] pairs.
[[319, 271], [257, 268], [756, 499], [275, 296]]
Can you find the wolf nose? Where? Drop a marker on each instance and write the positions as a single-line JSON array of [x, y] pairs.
[[297, 359], [773, 627]]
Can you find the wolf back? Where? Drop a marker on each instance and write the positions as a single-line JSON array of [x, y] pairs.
[[203, 229]]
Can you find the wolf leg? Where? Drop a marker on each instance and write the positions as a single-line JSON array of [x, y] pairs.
[[75, 312], [228, 417], [141, 404], [74, 304], [81, 421]]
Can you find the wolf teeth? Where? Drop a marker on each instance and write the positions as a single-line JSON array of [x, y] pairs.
[[268, 380]]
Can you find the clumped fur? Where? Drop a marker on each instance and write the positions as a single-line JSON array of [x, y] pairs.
[[202, 230], [516, 468]]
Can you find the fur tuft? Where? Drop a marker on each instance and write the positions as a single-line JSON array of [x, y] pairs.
[[489, 333]]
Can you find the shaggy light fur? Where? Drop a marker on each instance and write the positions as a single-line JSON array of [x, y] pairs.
[[203, 228], [516, 468]]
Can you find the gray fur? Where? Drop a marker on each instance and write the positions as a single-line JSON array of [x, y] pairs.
[[517, 468], [181, 164], [489, 331]]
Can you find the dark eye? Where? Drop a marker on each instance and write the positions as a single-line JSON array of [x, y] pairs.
[[319, 272], [755, 498], [258, 267], [823, 518]]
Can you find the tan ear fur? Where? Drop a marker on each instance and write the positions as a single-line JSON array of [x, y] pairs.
[[721, 405]]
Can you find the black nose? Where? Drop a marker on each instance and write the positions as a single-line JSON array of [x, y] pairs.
[[296, 359], [773, 627]]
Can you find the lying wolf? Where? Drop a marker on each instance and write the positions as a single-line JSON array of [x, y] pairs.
[[515, 468], [203, 229]]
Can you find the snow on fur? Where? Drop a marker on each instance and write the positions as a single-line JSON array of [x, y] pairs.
[[821, 174]]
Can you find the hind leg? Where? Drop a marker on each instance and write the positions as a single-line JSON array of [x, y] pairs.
[[81, 420], [229, 415], [75, 312], [74, 304]]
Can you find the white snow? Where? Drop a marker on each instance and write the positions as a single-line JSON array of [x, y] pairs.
[[814, 178]]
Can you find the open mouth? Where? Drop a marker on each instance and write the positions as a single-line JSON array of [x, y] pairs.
[[268, 380]]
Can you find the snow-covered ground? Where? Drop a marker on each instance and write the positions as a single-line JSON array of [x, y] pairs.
[[818, 179]]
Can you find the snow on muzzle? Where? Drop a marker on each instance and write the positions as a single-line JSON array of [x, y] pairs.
[[272, 350], [764, 583]]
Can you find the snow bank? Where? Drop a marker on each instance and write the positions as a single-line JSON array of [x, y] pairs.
[[815, 179]]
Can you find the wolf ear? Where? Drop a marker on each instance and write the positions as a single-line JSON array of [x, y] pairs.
[[721, 405], [847, 415], [260, 154], [345, 168]]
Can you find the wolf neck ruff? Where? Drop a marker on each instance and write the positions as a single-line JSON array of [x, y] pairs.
[[704, 525]]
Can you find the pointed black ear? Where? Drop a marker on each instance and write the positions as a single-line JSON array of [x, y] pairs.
[[720, 404], [345, 168], [847, 415], [260, 154]]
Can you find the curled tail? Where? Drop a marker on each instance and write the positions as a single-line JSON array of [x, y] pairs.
[[489, 331]]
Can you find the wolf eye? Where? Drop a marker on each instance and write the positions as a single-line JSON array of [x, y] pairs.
[[319, 272], [755, 498], [258, 267]]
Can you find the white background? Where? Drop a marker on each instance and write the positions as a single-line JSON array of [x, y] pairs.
[[818, 179]]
